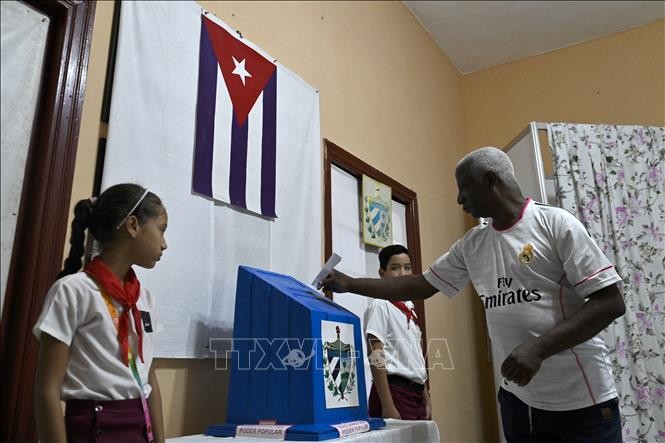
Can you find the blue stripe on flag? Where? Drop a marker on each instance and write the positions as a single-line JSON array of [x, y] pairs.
[[269, 148], [238, 172], [205, 116]]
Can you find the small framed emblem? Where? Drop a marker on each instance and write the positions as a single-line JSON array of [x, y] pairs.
[[376, 213]]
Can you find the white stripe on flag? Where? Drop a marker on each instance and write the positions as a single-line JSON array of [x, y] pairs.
[[254, 147], [221, 157]]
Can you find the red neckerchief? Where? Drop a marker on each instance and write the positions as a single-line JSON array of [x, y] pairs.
[[410, 313], [127, 295]]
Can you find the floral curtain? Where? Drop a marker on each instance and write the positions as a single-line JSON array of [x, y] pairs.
[[613, 179]]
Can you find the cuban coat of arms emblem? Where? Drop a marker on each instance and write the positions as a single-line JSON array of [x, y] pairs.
[[339, 365], [376, 213]]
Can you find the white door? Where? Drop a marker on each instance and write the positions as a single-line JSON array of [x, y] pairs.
[[358, 259]]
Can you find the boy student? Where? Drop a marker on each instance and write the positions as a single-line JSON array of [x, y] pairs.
[[395, 354]]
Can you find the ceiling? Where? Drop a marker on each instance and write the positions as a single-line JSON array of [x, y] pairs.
[[476, 35]]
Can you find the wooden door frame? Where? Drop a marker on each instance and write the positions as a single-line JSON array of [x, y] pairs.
[[335, 155], [45, 199]]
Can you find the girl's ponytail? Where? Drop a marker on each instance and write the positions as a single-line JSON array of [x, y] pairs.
[[82, 215]]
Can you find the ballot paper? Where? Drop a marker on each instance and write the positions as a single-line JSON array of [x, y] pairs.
[[327, 269]]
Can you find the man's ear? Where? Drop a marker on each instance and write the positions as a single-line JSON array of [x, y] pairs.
[[491, 179], [382, 272], [133, 226]]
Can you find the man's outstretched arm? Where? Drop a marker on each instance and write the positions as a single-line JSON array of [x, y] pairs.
[[407, 287]]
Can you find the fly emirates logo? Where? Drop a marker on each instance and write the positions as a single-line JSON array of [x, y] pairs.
[[508, 296]]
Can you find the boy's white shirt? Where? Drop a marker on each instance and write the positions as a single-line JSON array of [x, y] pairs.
[[401, 342]]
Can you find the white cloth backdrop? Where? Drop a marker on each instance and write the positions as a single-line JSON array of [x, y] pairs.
[[151, 142], [613, 179], [358, 259], [24, 32]]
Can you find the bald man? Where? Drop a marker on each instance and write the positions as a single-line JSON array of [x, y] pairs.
[[547, 289]]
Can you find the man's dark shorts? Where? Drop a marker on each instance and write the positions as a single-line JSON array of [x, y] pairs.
[[598, 423]]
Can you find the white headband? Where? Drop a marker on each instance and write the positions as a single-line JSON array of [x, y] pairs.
[[132, 210]]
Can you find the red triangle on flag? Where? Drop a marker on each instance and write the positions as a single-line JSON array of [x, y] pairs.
[[245, 71]]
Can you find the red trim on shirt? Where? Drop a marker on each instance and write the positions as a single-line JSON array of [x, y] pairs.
[[443, 279], [526, 203], [572, 349], [595, 273]]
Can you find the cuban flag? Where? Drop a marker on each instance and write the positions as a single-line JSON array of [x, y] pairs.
[[236, 123], [208, 121]]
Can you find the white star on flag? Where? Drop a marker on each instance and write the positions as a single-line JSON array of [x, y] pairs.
[[240, 70]]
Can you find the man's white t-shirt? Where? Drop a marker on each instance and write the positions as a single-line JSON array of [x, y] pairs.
[[75, 313], [401, 340], [531, 277]]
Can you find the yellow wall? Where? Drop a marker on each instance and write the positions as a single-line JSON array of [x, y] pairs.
[[618, 79], [389, 96]]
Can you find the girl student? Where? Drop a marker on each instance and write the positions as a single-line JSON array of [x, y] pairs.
[[96, 327]]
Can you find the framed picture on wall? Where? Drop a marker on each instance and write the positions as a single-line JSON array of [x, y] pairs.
[[376, 213]]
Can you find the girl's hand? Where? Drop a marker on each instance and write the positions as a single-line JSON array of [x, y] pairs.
[[51, 367]]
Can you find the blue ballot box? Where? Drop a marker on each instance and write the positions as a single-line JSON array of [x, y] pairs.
[[296, 360]]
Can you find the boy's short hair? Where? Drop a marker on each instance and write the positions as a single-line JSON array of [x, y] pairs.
[[387, 252]]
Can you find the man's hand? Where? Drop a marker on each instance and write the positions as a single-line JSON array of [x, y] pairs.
[[337, 281], [406, 287], [523, 363]]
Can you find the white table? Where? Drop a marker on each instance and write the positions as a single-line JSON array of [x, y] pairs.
[[397, 431]]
